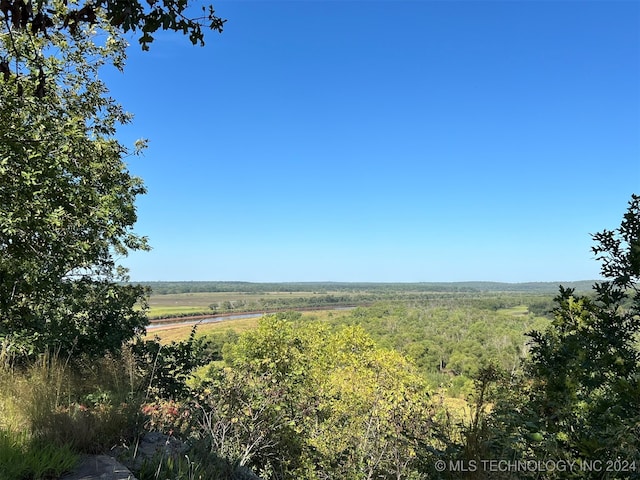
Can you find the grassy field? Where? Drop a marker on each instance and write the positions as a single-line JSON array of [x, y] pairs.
[[518, 311], [171, 305], [178, 333]]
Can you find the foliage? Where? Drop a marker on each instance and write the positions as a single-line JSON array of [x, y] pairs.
[[175, 468], [579, 400], [451, 339], [211, 346], [90, 428], [89, 405], [306, 401], [585, 366], [197, 464], [166, 368], [165, 416], [24, 458], [67, 197], [46, 18]]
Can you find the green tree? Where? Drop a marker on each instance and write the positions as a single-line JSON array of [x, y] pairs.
[[42, 18], [66, 196], [580, 398], [374, 418], [305, 401], [585, 366], [66, 205]]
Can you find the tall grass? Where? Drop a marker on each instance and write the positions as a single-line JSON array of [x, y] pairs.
[[85, 404], [52, 409], [22, 457]]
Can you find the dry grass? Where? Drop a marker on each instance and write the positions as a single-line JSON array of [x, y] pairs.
[[182, 332], [178, 333], [86, 407]]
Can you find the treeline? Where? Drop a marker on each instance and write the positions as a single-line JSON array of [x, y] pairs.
[[280, 303], [538, 304], [163, 288]]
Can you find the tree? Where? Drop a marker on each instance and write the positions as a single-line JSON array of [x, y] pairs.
[[586, 365], [580, 398], [44, 18], [67, 199], [302, 400]]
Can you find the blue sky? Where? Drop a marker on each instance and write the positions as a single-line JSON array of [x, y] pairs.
[[386, 141]]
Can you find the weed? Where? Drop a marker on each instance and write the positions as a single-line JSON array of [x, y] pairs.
[[23, 457], [88, 404]]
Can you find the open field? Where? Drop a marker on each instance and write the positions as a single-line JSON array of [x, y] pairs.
[[171, 300], [183, 304], [178, 333], [204, 299], [182, 332], [518, 310]]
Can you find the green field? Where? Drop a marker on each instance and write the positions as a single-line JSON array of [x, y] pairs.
[[183, 304], [170, 300], [518, 310]]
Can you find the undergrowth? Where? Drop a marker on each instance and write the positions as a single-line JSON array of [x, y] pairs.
[[23, 457]]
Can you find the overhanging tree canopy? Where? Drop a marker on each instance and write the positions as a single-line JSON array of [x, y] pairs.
[[66, 196]]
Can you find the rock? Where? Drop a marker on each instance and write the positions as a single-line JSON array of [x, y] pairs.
[[106, 467], [152, 444], [244, 473], [99, 467]]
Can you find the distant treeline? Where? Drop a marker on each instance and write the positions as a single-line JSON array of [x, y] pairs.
[[540, 304], [163, 288], [268, 304]]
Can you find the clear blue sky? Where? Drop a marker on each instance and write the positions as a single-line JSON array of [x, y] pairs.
[[386, 141]]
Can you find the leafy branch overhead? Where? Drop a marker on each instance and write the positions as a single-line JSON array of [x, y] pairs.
[[67, 198], [619, 251], [125, 15], [26, 27]]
